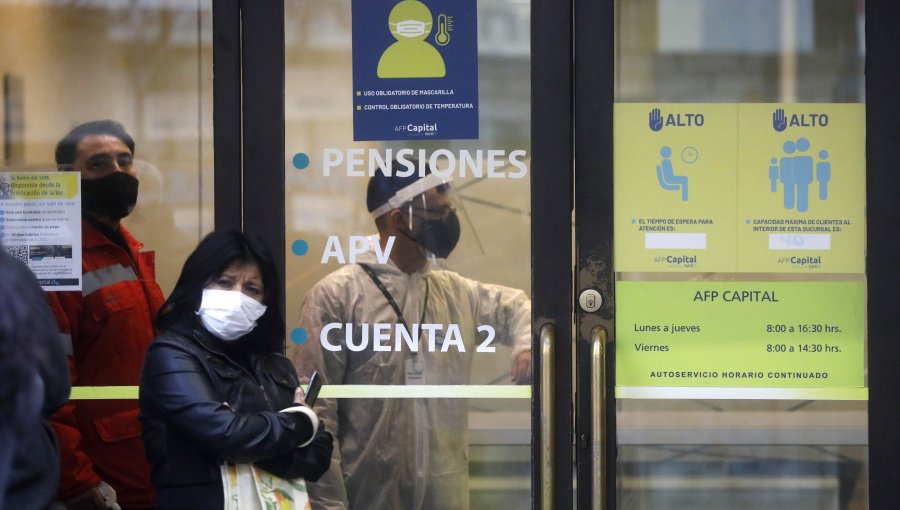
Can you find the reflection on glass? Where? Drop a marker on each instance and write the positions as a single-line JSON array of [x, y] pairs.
[[148, 67], [435, 451], [739, 453], [678, 476], [681, 51]]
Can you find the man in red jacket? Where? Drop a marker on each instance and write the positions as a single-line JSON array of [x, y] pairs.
[[110, 324]]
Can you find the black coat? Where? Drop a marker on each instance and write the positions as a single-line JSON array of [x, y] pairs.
[[29, 456], [199, 407]]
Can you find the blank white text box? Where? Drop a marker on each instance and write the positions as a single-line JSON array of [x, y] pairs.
[[799, 241], [674, 241]]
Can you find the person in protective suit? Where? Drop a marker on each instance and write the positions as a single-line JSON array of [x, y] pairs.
[[409, 453], [108, 326]]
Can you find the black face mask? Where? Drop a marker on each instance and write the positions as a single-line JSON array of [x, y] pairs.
[[440, 236], [111, 196]]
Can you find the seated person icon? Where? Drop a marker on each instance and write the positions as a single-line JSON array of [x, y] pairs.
[[666, 174]]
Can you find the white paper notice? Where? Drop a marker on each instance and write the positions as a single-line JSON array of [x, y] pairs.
[[40, 224]]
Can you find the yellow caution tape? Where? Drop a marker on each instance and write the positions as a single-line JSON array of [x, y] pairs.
[[344, 391]]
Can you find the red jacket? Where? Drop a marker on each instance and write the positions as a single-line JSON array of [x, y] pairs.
[[110, 323]]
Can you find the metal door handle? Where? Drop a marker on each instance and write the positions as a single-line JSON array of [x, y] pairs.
[[598, 415], [548, 429]]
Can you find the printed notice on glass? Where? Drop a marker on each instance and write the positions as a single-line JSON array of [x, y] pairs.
[[802, 188], [750, 188], [415, 70], [740, 334], [675, 187], [40, 224]]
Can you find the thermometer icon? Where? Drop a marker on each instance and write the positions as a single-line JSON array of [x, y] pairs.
[[445, 25]]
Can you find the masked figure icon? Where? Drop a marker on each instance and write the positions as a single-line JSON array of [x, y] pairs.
[[411, 56]]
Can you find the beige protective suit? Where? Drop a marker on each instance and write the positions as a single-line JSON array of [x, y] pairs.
[[400, 453]]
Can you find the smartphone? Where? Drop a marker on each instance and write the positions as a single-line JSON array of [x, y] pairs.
[[312, 389]]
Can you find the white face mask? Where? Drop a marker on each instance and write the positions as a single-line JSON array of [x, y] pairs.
[[411, 28], [228, 314]]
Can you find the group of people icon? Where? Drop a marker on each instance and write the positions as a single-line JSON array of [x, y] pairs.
[[795, 172]]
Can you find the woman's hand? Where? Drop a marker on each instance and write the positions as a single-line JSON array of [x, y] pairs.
[[298, 396]]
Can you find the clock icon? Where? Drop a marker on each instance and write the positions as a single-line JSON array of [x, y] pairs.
[[689, 154]]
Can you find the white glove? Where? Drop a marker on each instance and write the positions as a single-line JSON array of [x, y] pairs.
[[109, 496]]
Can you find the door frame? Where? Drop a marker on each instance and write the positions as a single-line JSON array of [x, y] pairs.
[[552, 140], [594, 91], [248, 92], [883, 240]]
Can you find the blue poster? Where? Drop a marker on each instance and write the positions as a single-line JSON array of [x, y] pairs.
[[415, 70]]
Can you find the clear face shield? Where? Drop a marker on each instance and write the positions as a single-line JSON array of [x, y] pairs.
[[436, 218]]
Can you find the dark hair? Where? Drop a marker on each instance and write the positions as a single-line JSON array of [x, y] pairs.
[[215, 253], [68, 145], [382, 187], [26, 324]]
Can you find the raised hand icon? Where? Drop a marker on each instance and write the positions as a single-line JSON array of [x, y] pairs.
[[655, 119], [779, 121]]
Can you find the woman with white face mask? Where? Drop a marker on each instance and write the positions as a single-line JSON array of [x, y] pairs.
[[215, 386]]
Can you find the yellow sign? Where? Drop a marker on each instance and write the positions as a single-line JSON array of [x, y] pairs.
[[740, 334], [43, 186], [740, 188], [802, 188], [675, 187]]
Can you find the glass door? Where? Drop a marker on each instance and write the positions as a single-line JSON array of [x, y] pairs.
[[82, 80], [147, 67], [795, 435], [730, 262], [401, 118]]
